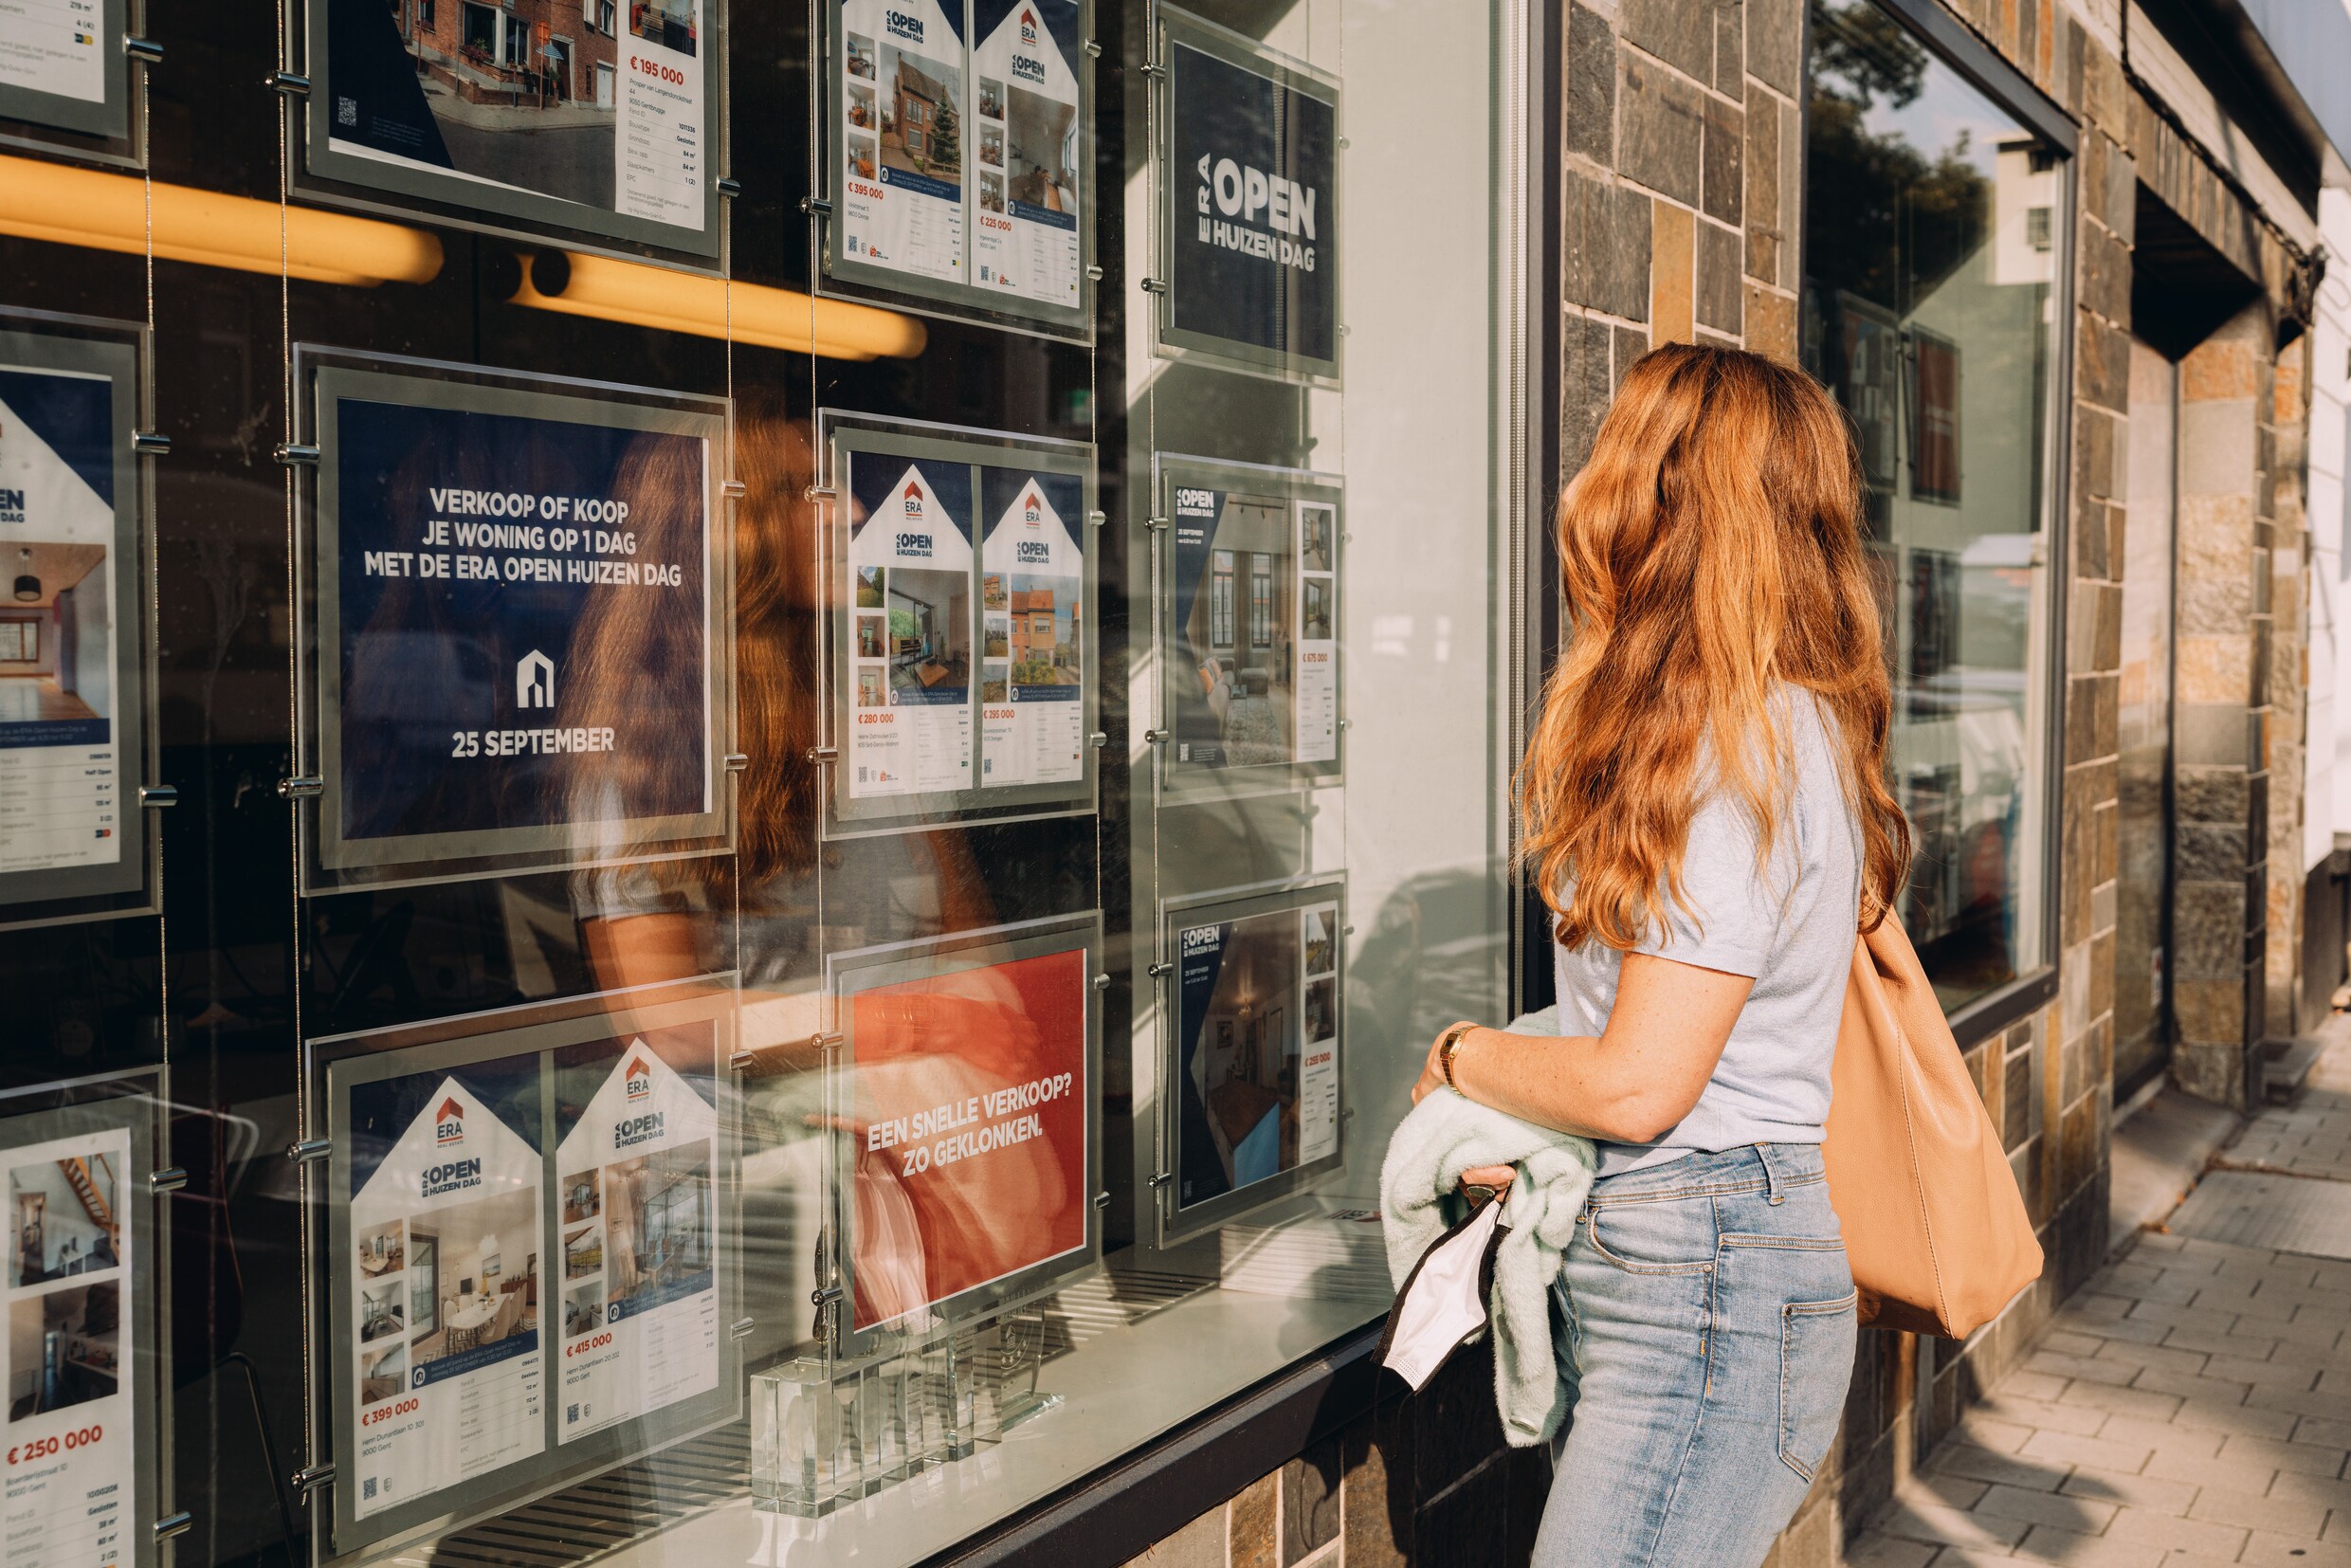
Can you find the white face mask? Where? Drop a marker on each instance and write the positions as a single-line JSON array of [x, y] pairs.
[[1442, 1306]]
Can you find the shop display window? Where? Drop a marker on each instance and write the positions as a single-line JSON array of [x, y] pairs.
[[1931, 293], [795, 784]]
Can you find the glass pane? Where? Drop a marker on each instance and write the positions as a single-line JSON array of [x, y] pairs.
[[1930, 259]]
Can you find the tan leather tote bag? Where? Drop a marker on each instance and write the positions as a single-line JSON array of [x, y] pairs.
[[1934, 1226]]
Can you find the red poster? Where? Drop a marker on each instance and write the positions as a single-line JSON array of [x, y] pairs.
[[968, 1112]]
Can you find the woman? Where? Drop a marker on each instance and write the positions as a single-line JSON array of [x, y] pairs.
[[1707, 815]]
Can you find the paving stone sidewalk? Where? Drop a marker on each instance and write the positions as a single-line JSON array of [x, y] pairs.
[[2190, 1406]]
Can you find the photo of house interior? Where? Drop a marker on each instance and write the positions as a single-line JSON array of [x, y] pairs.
[[930, 629], [583, 1310], [582, 1196], [1243, 1048], [68, 1214], [483, 1277], [383, 1310], [1236, 707], [382, 1373], [55, 634], [583, 1252], [1043, 134], [657, 1229], [381, 1252], [64, 1348]]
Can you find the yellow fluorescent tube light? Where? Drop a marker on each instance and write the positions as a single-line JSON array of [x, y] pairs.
[[86, 206], [635, 294]]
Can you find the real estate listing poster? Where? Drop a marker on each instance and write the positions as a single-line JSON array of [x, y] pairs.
[[1033, 666], [969, 1089], [71, 1495], [442, 1291], [1252, 204], [1254, 674], [1025, 101], [516, 598], [905, 137], [62, 64], [637, 1193], [594, 116], [71, 681], [910, 672], [1257, 1041]]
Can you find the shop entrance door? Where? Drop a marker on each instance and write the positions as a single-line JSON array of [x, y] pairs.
[[2143, 1012]]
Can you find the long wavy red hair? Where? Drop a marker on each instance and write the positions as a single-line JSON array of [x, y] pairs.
[[1711, 555]]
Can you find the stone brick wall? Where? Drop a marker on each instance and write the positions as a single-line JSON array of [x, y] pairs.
[[1680, 198]]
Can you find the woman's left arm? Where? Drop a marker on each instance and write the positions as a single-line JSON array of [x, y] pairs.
[[1633, 1082]]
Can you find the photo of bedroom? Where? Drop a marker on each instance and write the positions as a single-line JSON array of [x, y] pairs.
[[659, 1223], [64, 1348], [487, 1275], [55, 635], [68, 1219]]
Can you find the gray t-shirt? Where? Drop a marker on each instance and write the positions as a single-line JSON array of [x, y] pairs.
[[1789, 924]]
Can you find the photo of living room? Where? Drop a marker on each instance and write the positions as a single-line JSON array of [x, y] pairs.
[[1313, 537], [1317, 613], [930, 629], [1044, 162], [383, 1310], [382, 1373], [486, 1285], [55, 634], [660, 1221], [380, 1252], [68, 1214], [1243, 1073], [64, 1348], [1234, 700]]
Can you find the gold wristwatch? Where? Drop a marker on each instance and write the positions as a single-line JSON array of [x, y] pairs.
[[1447, 1045]]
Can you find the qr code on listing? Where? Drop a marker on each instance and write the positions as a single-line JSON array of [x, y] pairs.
[[570, 1415], [366, 1488]]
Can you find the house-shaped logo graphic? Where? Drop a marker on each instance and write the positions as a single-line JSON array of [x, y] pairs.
[[638, 1081], [913, 498], [534, 681], [1034, 514], [1028, 25], [448, 1124]]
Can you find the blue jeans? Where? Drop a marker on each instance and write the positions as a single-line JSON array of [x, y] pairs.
[[1708, 1342]]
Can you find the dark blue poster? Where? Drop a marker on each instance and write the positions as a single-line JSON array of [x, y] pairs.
[[1255, 229], [521, 613]]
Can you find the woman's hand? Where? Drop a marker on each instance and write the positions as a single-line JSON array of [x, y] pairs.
[[1432, 1070]]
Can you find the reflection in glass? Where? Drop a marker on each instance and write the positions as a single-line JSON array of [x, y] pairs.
[[1928, 306]]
